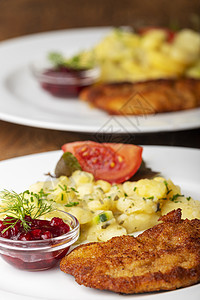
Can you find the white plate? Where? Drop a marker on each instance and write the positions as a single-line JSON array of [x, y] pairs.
[[22, 100], [179, 164]]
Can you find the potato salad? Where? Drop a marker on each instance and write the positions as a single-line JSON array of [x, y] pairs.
[[105, 210], [129, 56]]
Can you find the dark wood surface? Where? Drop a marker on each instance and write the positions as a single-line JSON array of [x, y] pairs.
[[18, 140], [22, 17]]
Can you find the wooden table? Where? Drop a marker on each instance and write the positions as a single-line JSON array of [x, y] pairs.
[[18, 140]]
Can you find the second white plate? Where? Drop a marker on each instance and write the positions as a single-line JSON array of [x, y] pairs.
[[23, 102]]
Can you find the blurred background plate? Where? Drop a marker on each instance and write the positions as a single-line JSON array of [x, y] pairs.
[[23, 102]]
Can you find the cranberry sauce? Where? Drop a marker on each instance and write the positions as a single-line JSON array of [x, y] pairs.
[[63, 82], [37, 229], [38, 251]]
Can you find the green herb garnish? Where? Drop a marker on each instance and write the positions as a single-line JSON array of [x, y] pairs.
[[70, 204], [150, 198], [73, 189], [57, 59], [18, 206], [174, 198], [76, 62], [67, 164], [167, 187]]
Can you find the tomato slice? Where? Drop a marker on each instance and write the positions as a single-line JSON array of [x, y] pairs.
[[170, 33], [112, 162]]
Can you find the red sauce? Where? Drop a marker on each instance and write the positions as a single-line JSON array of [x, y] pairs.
[[68, 82], [39, 230]]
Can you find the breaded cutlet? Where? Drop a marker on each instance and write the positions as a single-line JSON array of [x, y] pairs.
[[164, 257], [144, 98]]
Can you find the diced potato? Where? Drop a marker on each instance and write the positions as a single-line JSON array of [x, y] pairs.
[[153, 39], [85, 189], [171, 188], [36, 187], [63, 181], [129, 188], [111, 231], [105, 232], [150, 188], [93, 233], [58, 190], [189, 207], [82, 214], [137, 221], [125, 204], [116, 189], [104, 185], [194, 70], [164, 62], [130, 205], [100, 204], [186, 46], [81, 177]]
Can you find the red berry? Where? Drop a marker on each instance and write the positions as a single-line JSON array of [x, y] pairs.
[[39, 229], [64, 229], [7, 234], [15, 230], [56, 222], [25, 236], [46, 235], [1, 225], [36, 234]]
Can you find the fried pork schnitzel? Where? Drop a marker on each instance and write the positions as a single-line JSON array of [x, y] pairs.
[[164, 257], [144, 98]]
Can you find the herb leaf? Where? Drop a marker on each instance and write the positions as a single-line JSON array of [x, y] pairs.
[[57, 59], [67, 164], [175, 196], [78, 62], [70, 204], [18, 206]]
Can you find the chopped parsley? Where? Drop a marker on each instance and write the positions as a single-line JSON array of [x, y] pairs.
[[73, 189], [151, 198], [167, 187], [174, 198], [70, 204]]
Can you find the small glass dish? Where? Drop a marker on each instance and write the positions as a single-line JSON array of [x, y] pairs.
[[64, 82], [40, 255]]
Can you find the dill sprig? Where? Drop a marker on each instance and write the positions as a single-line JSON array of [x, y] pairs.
[[18, 206], [11, 222]]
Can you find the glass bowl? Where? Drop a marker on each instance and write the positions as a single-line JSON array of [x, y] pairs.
[[39, 255], [64, 82]]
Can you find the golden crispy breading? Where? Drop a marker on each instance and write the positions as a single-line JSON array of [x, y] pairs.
[[165, 257], [143, 98]]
